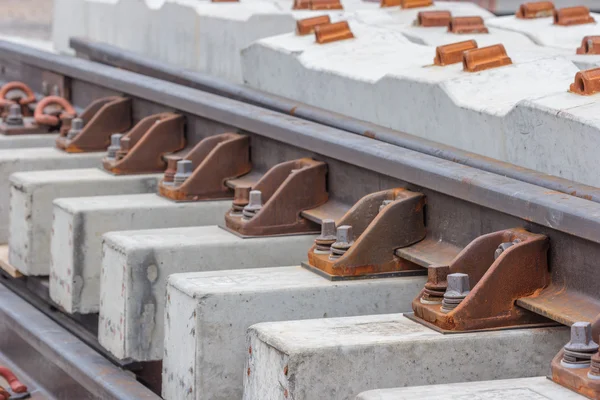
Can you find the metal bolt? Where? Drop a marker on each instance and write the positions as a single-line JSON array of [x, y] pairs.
[[241, 198], [327, 237], [384, 204], [14, 116], [458, 288], [45, 88], [76, 127], [578, 352], [436, 285], [185, 168], [254, 204], [594, 372], [344, 240], [115, 145], [505, 246]]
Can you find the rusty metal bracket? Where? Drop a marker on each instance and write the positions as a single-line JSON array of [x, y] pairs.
[[307, 26], [433, 18], [573, 16], [364, 244], [538, 9], [589, 45], [16, 93], [99, 121], [389, 3], [485, 58], [142, 149], [415, 3], [586, 82], [479, 288], [327, 33], [275, 202], [452, 53], [317, 5], [215, 160], [461, 25]]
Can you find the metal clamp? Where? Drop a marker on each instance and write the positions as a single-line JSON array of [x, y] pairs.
[[143, 148], [16, 93], [15, 385]]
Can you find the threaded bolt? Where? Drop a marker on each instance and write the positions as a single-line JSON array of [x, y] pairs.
[[254, 204], [185, 168], [169, 178], [594, 372], [241, 198], [579, 351], [384, 204], [344, 240], [458, 288], [76, 127], [14, 117], [327, 237], [115, 145], [436, 285]]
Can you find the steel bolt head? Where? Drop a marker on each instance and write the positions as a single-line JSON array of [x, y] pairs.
[[581, 338], [458, 286], [437, 274], [184, 167], [14, 116], [255, 199], [328, 231], [344, 234], [77, 124], [115, 139]]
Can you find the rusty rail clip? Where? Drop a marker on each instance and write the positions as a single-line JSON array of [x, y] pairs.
[[16, 93], [589, 45], [485, 58], [364, 243], [142, 149], [274, 204], [328, 33], [15, 385], [538, 9], [415, 3], [389, 3], [92, 130], [317, 5], [479, 288], [452, 53], [307, 26], [216, 159], [586, 82], [573, 16], [467, 25], [51, 113], [433, 18]]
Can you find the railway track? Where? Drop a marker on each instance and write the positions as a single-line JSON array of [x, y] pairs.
[[468, 205]]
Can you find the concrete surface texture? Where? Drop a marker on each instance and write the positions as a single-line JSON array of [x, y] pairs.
[[33, 159], [338, 358], [218, 307], [137, 264], [538, 388], [389, 81], [80, 222], [31, 197], [27, 141]]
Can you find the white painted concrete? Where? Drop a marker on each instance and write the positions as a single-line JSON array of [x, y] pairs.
[[218, 308], [379, 77], [538, 388], [198, 34], [338, 358], [79, 223], [27, 141], [137, 264], [33, 159], [31, 197]]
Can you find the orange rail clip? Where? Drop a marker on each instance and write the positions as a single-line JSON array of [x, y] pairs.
[[467, 25], [538, 9], [326, 5], [390, 3], [586, 82], [333, 32], [433, 18], [307, 26], [573, 16], [485, 58], [589, 45], [452, 53], [301, 5], [415, 3]]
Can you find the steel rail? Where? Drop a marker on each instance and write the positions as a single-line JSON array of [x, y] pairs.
[[463, 202], [114, 56]]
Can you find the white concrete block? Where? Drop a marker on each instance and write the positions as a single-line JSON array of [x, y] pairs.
[[32, 194], [538, 388], [338, 358], [32, 159], [27, 141], [79, 223], [137, 264], [208, 313]]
